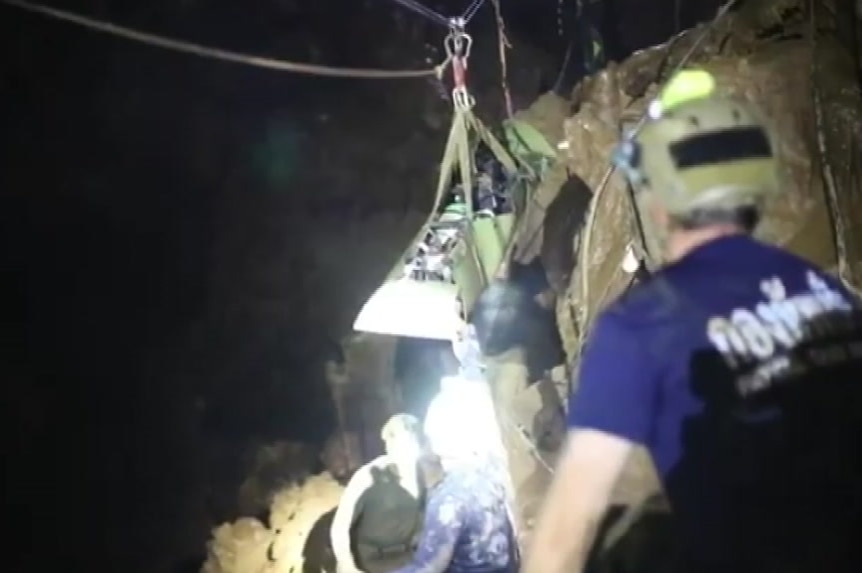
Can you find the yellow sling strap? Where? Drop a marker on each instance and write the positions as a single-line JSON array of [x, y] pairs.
[[458, 154]]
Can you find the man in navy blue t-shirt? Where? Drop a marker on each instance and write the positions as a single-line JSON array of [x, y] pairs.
[[737, 365]]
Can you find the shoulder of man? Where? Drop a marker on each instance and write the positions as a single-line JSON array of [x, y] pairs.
[[643, 301], [364, 476], [646, 314]]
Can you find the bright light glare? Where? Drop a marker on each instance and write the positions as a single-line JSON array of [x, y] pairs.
[[411, 308], [630, 261], [461, 425], [404, 448], [461, 422]]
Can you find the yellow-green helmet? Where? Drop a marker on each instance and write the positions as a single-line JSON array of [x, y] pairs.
[[699, 151]]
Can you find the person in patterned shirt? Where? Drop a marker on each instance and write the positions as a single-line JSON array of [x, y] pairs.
[[468, 526]]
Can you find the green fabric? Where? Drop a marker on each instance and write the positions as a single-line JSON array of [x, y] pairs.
[[456, 209], [492, 236], [369, 561], [525, 141], [387, 515]]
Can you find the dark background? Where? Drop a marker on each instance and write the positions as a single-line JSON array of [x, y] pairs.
[[183, 240]]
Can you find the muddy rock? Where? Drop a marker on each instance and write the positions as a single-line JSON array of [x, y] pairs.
[[299, 514], [239, 547], [294, 539], [273, 467]]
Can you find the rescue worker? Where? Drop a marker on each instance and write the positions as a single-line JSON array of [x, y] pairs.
[[380, 512], [468, 523], [737, 365]]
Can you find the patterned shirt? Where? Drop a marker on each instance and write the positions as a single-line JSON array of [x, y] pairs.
[[467, 527]]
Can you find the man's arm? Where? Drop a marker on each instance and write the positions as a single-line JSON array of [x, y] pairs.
[[588, 470], [440, 532], [611, 410], [339, 531]]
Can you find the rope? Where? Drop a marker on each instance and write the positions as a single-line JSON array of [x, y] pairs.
[[829, 177], [424, 11], [591, 217], [585, 246], [471, 10], [532, 446], [438, 18], [503, 44], [218, 53]]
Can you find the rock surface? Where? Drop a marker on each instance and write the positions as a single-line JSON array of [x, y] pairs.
[[292, 541]]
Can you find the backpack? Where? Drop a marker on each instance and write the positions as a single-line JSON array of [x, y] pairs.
[[388, 517]]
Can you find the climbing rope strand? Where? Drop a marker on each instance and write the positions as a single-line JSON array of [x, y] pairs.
[[438, 18], [471, 10], [424, 11], [502, 45], [531, 445], [218, 53]]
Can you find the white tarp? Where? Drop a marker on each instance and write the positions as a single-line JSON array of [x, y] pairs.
[[412, 308]]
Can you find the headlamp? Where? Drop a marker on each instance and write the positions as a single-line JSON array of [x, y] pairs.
[[627, 158], [683, 87], [655, 109]]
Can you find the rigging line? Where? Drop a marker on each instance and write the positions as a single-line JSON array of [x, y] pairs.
[[471, 10], [503, 45], [425, 11], [218, 53]]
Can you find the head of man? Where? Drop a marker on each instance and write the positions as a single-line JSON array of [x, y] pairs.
[[701, 165], [403, 439]]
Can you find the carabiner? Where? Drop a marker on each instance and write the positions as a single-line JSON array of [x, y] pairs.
[[462, 99], [458, 44], [468, 43]]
